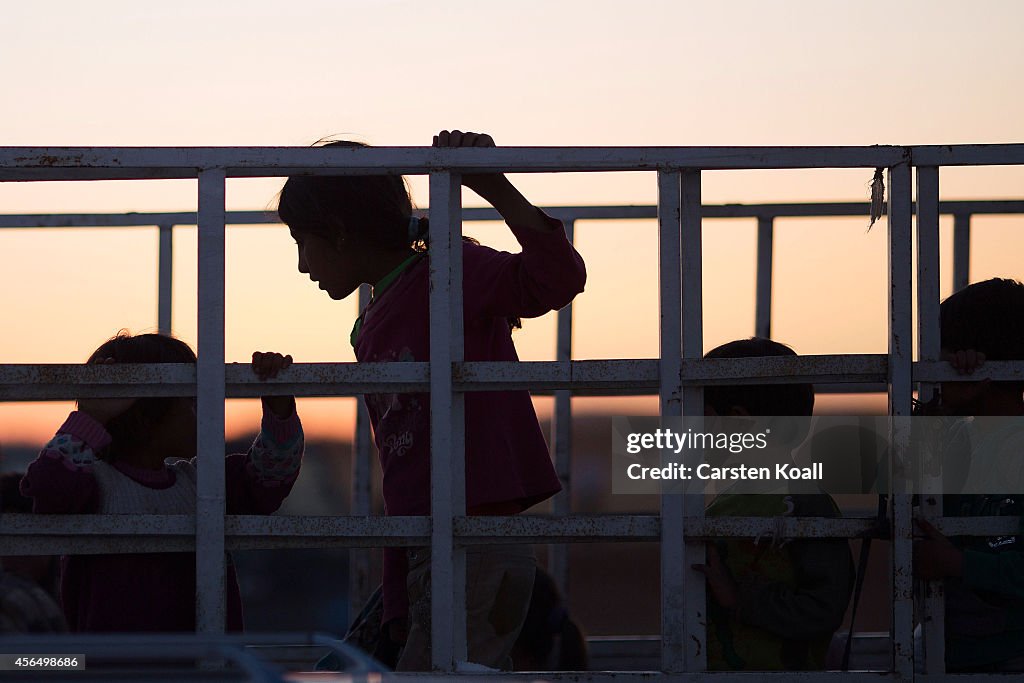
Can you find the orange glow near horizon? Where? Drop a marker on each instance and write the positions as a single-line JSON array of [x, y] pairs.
[[30, 425]]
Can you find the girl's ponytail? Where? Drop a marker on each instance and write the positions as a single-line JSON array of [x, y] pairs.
[[419, 232]]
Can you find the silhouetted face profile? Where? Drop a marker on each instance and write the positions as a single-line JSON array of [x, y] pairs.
[[336, 270]]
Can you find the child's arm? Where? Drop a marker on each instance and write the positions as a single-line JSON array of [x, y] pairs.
[[60, 479], [258, 481], [545, 276], [935, 556], [495, 187]]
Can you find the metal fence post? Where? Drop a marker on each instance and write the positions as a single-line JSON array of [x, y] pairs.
[[900, 394], [695, 633], [933, 607], [765, 244], [210, 603], [961, 250], [673, 549], [447, 424], [165, 278], [561, 439]]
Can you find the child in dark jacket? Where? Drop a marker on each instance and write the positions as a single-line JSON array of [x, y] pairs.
[[984, 577], [773, 604]]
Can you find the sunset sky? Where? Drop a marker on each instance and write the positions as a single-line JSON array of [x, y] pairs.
[[530, 73]]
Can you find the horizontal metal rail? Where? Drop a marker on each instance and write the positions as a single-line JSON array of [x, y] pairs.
[[24, 534], [49, 382], [588, 212], [115, 163]]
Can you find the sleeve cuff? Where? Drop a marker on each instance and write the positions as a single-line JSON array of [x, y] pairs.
[[281, 430], [86, 428]]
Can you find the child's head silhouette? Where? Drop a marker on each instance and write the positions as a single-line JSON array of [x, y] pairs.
[[149, 417], [364, 209], [986, 317], [758, 399], [349, 228]]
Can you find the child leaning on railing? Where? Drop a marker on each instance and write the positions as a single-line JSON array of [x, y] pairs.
[[132, 456]]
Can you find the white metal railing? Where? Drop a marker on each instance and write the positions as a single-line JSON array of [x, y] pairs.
[[765, 214], [678, 375]]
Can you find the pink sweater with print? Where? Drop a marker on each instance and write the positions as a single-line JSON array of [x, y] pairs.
[[507, 462], [150, 591]]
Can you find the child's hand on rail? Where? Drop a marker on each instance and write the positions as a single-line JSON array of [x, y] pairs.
[[495, 187], [965, 361], [484, 184], [964, 398], [267, 365]]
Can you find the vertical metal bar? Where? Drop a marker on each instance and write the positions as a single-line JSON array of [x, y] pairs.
[[928, 268], [900, 395], [765, 244], [961, 250], [561, 439], [695, 625], [359, 558], [165, 278], [447, 424], [933, 607], [210, 605], [673, 553]]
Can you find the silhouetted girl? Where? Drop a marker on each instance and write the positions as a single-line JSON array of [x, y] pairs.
[[355, 229]]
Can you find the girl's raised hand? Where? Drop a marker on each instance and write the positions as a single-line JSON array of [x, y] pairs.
[[494, 187], [483, 184], [457, 138]]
